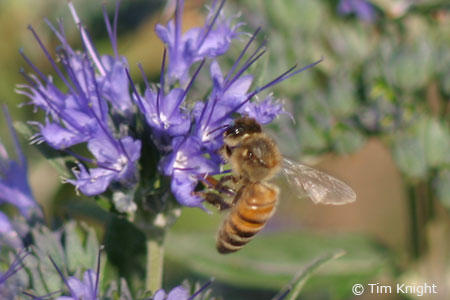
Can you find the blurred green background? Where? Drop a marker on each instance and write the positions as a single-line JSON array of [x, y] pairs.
[[375, 113]]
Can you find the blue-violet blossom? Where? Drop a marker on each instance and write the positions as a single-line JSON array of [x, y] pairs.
[[211, 40], [188, 137], [97, 90], [179, 293], [14, 187], [86, 289]]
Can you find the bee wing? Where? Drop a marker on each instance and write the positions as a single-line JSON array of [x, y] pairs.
[[320, 187]]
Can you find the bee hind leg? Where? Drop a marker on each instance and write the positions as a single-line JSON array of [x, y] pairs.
[[214, 199]]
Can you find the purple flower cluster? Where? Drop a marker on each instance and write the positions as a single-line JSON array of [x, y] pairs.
[[189, 137], [14, 187], [14, 190], [211, 40], [363, 9], [185, 134], [96, 90]]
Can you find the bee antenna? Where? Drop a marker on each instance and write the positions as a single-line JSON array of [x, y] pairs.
[[218, 128]]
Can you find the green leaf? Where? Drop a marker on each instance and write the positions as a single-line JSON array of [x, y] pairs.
[[57, 159], [437, 142], [92, 246], [80, 257], [295, 286], [48, 244], [270, 261], [74, 247], [409, 154], [35, 276]]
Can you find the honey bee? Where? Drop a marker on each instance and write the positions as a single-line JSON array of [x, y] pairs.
[[255, 159]]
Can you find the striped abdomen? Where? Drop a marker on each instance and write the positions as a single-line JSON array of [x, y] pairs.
[[252, 210]]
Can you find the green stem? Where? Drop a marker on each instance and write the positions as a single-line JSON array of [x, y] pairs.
[[415, 238], [155, 259]]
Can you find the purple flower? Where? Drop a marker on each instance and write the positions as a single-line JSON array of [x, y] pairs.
[[164, 113], [362, 8], [179, 293], [189, 139], [265, 111], [14, 187], [211, 40], [117, 161], [186, 164], [227, 94], [97, 89], [86, 289]]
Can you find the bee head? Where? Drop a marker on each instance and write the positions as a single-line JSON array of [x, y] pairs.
[[242, 128]]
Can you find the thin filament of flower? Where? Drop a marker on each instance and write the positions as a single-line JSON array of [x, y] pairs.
[[61, 275], [97, 277], [86, 40], [248, 63], [67, 65], [51, 60], [112, 32], [67, 118], [238, 60], [91, 161], [161, 84], [209, 28], [133, 87], [258, 90], [60, 35], [178, 21], [201, 289], [15, 267], [147, 85], [35, 69], [191, 82]]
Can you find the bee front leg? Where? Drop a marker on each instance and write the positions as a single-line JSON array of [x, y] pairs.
[[225, 152], [214, 199]]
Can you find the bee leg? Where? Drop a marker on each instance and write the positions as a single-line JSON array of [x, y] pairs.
[[222, 188], [225, 151], [214, 199], [219, 185], [238, 196]]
